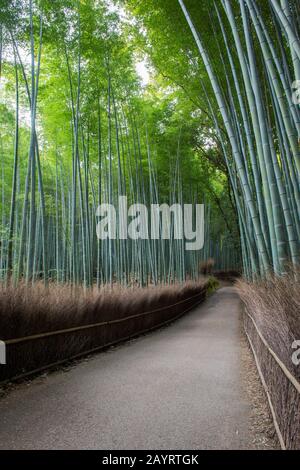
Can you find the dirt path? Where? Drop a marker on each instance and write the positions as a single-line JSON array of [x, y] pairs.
[[178, 388]]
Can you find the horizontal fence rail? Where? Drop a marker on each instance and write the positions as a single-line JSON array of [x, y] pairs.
[[22, 341], [285, 370], [288, 375], [96, 325]]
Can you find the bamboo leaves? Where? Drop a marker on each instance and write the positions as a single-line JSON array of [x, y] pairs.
[[262, 125]]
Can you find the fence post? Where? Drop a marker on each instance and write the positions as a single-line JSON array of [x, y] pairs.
[[2, 352]]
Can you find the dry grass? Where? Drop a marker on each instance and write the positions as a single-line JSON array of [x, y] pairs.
[[275, 305], [29, 311]]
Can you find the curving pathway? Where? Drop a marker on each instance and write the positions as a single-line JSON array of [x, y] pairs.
[[176, 388]]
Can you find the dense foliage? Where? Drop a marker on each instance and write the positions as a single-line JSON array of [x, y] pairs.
[[239, 63], [78, 128]]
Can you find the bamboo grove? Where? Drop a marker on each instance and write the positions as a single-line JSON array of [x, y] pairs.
[[74, 134], [256, 110]]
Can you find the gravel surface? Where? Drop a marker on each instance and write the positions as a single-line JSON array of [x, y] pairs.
[[262, 429]]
